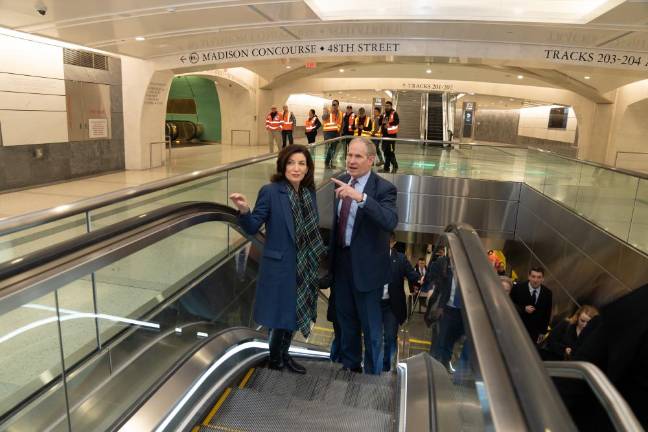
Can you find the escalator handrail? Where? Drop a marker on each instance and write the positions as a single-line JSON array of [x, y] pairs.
[[615, 405], [542, 406], [36, 273]]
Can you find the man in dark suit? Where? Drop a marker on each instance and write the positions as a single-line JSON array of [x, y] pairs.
[[419, 296], [364, 215], [393, 304], [533, 302]]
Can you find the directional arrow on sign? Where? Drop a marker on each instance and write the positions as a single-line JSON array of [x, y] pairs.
[[183, 59]]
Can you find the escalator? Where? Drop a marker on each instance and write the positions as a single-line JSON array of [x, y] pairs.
[[189, 357]]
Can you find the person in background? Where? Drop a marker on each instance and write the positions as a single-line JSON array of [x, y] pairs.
[[500, 268], [332, 123], [393, 304], [364, 215], [363, 124], [419, 295], [273, 126], [312, 125], [287, 126], [348, 122], [390, 127], [564, 337], [493, 258], [376, 133], [533, 302], [288, 279]]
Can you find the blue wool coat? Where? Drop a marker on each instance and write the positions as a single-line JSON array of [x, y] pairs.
[[276, 298]]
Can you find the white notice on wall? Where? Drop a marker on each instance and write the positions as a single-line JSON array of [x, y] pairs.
[[98, 128]]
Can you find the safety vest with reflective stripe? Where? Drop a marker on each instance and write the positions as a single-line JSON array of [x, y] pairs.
[[391, 129], [352, 118], [377, 126], [366, 127], [334, 123], [286, 123], [273, 122], [310, 124]]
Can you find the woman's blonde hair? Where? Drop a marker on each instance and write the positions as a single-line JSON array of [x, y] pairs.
[[591, 311]]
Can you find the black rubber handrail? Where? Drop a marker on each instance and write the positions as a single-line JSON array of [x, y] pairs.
[[542, 406]]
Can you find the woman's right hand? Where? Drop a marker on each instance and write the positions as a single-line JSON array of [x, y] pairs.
[[240, 202]]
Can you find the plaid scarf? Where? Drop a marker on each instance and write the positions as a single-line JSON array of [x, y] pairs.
[[310, 248]]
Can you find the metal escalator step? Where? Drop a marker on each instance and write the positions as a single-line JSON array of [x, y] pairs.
[[325, 389], [249, 410], [329, 369]]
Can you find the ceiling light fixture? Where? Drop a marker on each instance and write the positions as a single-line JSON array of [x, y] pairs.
[[140, 38], [520, 76], [288, 66], [587, 77], [428, 71], [341, 70]]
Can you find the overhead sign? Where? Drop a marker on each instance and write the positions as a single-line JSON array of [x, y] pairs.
[[312, 50], [431, 85]]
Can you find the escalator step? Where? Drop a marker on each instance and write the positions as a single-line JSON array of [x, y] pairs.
[[324, 389], [249, 410], [333, 370]]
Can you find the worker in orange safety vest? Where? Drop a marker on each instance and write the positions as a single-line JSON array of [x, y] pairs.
[[287, 125], [331, 125], [273, 126], [390, 130]]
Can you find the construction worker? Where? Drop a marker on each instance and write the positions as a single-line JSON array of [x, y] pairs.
[[273, 126], [287, 124], [312, 124], [390, 130], [332, 123], [347, 126], [376, 133], [363, 124]]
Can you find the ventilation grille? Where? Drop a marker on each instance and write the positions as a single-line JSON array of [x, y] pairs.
[[85, 59]]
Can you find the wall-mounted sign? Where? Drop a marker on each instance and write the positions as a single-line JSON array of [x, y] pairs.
[[154, 93], [430, 86], [310, 65], [98, 128]]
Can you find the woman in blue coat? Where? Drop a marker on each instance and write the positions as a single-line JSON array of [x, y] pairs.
[[286, 296]]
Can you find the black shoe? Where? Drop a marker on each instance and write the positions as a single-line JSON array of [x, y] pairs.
[[356, 369], [275, 365], [293, 366]]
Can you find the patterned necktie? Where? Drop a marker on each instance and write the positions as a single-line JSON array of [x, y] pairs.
[[344, 217]]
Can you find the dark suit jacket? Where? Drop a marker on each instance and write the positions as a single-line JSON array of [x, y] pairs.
[[400, 269], [275, 305], [440, 274], [537, 322], [370, 237]]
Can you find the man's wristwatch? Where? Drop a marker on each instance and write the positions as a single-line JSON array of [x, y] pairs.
[[364, 198]]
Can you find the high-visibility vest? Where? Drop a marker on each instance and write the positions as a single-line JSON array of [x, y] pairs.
[[310, 124], [286, 124], [351, 122], [377, 126], [334, 123], [391, 129], [366, 130], [273, 122]]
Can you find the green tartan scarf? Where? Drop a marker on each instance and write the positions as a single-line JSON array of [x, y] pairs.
[[310, 248]]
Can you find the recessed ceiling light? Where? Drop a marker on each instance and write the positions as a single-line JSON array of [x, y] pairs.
[[587, 77], [428, 71], [288, 66], [140, 38], [171, 9], [520, 76], [341, 70]]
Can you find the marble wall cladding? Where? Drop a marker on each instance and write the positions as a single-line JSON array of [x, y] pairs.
[[31, 165], [496, 125]]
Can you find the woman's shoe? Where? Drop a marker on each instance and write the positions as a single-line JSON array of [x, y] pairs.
[[293, 366]]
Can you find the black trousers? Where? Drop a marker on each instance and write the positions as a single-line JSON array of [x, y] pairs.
[[286, 135], [310, 136], [389, 149]]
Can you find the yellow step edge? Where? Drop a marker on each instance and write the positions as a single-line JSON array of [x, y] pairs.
[[223, 428], [420, 341], [246, 378], [324, 329], [214, 410]]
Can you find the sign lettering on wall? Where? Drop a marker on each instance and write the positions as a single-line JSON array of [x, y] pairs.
[[154, 93], [593, 57], [440, 86], [98, 128]]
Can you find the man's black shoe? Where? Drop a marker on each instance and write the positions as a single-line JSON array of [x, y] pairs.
[[356, 369]]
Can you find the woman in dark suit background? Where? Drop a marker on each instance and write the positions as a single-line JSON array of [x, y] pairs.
[[286, 296], [565, 335]]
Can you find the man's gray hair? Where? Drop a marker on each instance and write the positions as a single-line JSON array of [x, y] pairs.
[[371, 149]]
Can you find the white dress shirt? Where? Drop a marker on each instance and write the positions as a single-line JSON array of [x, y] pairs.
[[362, 182]]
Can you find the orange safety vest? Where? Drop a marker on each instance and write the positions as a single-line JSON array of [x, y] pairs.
[[273, 123], [286, 124], [352, 118], [391, 129], [334, 123], [310, 124], [366, 130]]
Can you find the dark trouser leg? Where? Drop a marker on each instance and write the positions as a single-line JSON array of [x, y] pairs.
[[386, 151], [390, 330], [275, 342], [393, 152], [378, 151], [347, 315], [311, 137], [370, 314], [284, 135], [291, 140], [330, 151], [451, 328], [290, 362], [336, 344]]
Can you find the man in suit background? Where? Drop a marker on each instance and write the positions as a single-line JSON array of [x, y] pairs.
[[364, 215], [393, 304], [533, 302], [417, 294]]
